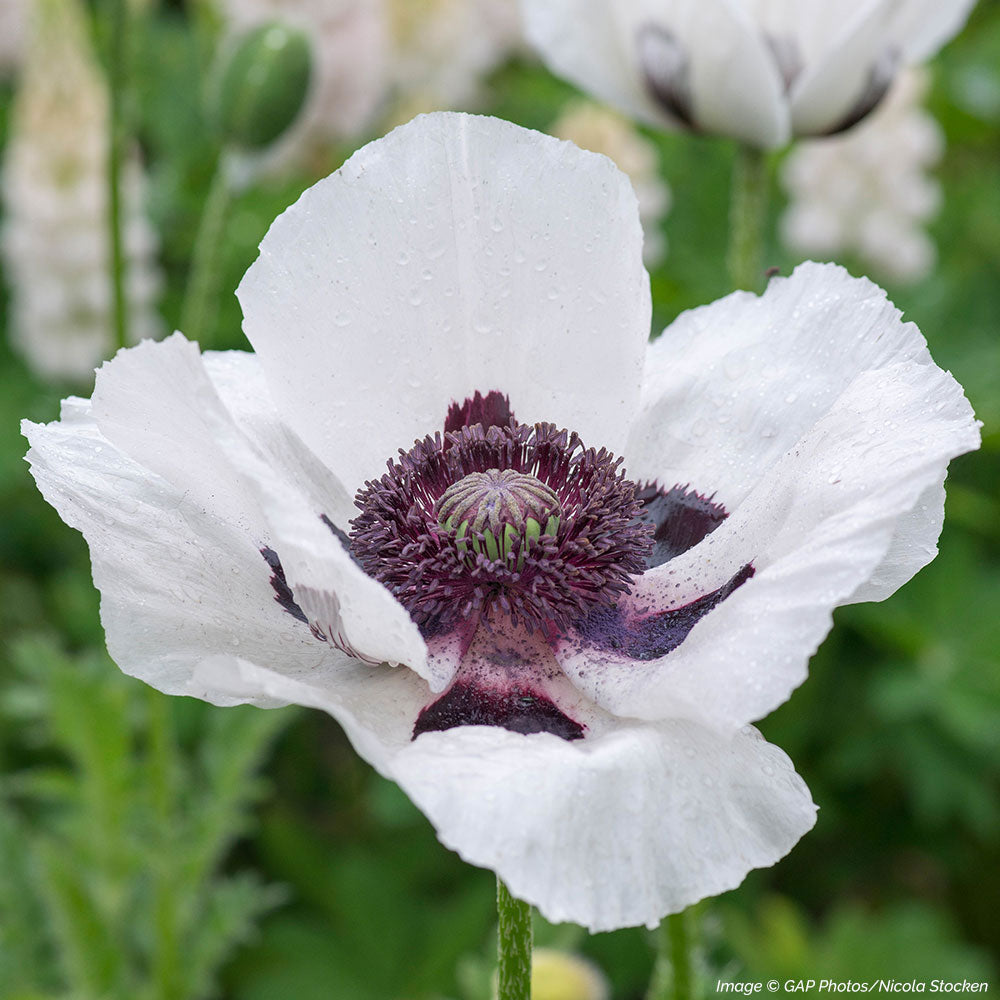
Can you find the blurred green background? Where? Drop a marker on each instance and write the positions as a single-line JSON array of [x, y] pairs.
[[160, 848]]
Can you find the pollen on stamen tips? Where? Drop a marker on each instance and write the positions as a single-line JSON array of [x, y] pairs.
[[514, 521]]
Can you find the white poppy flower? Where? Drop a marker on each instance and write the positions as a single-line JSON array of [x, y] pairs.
[[760, 71], [455, 283]]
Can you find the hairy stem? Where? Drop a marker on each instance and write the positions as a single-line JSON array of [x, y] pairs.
[[671, 978], [747, 216], [201, 298], [513, 946]]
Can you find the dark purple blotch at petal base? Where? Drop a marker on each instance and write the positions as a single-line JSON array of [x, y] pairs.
[[342, 537], [518, 709], [655, 635], [279, 584], [681, 518], [282, 592], [491, 410]]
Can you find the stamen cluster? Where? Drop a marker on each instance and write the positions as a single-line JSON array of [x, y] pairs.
[[584, 557]]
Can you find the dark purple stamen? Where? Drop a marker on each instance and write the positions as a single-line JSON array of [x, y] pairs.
[[655, 635], [519, 709], [681, 518], [588, 559], [491, 410], [282, 592]]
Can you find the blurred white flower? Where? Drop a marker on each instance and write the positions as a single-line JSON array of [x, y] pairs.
[[867, 192], [55, 239], [595, 127], [760, 71], [442, 50], [13, 28], [349, 49]]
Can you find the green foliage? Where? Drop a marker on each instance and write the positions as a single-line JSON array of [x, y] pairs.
[[114, 839], [906, 941]]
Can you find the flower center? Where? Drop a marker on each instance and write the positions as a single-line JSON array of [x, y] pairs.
[[498, 512], [503, 521]]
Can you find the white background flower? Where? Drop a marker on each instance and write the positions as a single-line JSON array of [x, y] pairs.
[[13, 28], [462, 254], [443, 50], [55, 236], [758, 70], [867, 191]]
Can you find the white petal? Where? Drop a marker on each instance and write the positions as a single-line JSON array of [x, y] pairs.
[[617, 829], [723, 62], [239, 380], [590, 43], [458, 253], [376, 705], [255, 484], [921, 27], [633, 822], [843, 490], [353, 611], [859, 57], [844, 47], [174, 590], [913, 546], [731, 386]]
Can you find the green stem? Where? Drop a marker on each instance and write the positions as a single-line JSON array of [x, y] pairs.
[[201, 299], [513, 946], [117, 145], [747, 216], [671, 978], [680, 954]]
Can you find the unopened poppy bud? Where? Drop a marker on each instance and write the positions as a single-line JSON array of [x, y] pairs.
[[262, 85]]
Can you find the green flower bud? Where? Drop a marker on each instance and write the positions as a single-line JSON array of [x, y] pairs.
[[262, 85]]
